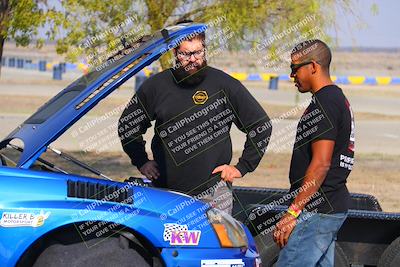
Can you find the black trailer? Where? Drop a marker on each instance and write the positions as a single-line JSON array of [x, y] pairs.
[[368, 237]]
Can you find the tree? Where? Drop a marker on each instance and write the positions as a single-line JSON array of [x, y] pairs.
[[20, 20], [248, 19], [87, 25]]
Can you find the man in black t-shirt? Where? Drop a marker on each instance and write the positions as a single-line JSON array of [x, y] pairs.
[[323, 156], [194, 106]]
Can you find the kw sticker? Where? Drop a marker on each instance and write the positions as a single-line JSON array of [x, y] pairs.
[[180, 235], [200, 97], [23, 219]]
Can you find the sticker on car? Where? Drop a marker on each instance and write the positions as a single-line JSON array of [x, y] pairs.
[[180, 235], [23, 219]]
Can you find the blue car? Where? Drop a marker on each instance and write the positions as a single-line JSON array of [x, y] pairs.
[[52, 217]]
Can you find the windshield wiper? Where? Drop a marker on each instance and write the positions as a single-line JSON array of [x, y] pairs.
[[78, 162], [45, 162]]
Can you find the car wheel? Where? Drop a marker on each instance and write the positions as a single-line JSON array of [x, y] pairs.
[[391, 255], [97, 252], [340, 257], [268, 250]]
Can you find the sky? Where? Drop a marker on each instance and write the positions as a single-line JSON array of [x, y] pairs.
[[380, 30]]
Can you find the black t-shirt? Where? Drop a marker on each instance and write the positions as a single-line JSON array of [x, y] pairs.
[[328, 117], [192, 125]]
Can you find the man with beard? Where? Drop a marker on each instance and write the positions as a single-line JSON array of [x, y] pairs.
[[323, 156], [194, 106]]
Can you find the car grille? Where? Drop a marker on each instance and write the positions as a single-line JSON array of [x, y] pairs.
[[99, 191]]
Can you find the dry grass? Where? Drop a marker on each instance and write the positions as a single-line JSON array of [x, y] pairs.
[[12, 104]]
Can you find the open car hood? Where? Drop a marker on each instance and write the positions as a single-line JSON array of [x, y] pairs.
[[63, 110]]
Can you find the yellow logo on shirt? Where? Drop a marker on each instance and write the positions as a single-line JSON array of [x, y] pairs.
[[200, 97]]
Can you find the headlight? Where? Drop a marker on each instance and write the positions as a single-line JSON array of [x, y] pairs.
[[230, 232]]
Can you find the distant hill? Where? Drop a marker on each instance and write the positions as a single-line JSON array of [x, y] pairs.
[[368, 49]]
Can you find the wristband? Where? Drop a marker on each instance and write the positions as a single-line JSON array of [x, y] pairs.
[[294, 211]]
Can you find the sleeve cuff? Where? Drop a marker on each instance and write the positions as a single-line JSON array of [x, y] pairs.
[[241, 168], [139, 162]]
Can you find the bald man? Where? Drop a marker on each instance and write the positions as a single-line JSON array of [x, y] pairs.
[[323, 156]]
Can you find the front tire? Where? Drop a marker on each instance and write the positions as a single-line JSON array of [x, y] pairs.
[[391, 255], [113, 251]]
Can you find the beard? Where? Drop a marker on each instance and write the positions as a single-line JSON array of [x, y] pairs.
[[189, 75]]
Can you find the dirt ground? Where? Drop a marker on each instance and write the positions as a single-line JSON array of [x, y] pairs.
[[27, 105]]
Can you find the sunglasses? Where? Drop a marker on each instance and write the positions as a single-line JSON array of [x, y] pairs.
[[296, 67]]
